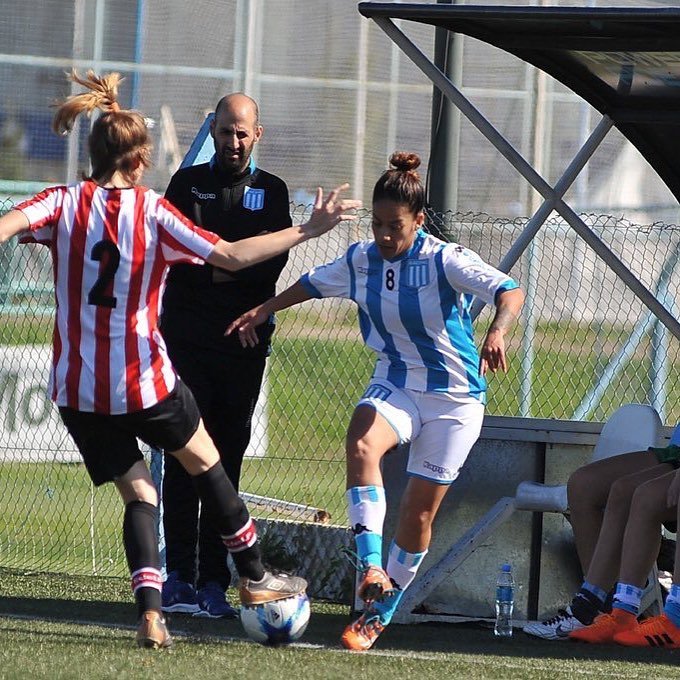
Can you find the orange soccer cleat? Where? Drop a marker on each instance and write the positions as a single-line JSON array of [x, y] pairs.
[[374, 582], [605, 626], [657, 631], [362, 634]]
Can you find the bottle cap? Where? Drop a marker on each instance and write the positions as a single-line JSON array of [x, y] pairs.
[[506, 567]]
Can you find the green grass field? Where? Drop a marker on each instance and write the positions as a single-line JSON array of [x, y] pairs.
[[50, 519], [60, 627]]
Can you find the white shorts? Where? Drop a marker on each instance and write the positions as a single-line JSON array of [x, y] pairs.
[[441, 431]]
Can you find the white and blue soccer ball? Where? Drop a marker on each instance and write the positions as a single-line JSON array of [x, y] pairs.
[[277, 623]]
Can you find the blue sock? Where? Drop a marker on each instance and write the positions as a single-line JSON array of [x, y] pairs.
[[387, 605], [596, 591], [627, 597], [672, 607], [369, 548]]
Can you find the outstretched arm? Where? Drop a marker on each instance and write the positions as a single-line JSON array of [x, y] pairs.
[[11, 224], [246, 323], [326, 215], [508, 304]]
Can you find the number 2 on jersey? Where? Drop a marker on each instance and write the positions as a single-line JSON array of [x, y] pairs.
[[108, 253]]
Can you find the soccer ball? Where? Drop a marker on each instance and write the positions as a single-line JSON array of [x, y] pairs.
[[277, 623]]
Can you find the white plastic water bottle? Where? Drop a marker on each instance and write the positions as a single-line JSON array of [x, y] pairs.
[[505, 602]]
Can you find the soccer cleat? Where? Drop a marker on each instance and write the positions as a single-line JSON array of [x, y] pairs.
[[605, 626], [152, 632], [272, 587], [374, 581], [556, 628], [657, 631], [178, 596], [213, 603], [362, 634]]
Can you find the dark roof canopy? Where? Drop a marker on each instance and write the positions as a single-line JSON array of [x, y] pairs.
[[624, 61]]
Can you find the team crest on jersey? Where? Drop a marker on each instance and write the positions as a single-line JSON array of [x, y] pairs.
[[417, 274], [253, 199]]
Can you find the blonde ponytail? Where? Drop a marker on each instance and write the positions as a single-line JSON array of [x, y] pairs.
[[102, 95]]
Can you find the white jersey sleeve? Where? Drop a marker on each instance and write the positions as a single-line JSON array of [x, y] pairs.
[[42, 212], [330, 280], [468, 273], [180, 239]]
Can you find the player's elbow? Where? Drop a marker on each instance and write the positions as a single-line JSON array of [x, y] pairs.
[[513, 298], [225, 256]]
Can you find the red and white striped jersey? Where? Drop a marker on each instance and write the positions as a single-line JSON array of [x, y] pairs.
[[111, 249]]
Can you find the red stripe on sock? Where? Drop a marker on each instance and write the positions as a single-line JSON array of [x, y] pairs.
[[146, 577], [243, 539]]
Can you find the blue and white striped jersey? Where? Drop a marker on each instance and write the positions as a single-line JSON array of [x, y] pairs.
[[414, 310]]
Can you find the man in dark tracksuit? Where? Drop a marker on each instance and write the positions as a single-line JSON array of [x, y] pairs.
[[234, 199]]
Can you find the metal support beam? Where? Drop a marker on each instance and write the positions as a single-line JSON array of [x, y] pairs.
[[536, 222], [528, 172], [454, 557]]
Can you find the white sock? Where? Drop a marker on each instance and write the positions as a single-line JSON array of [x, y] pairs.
[[402, 566]]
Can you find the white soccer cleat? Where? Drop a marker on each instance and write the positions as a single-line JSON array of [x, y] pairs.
[[556, 628]]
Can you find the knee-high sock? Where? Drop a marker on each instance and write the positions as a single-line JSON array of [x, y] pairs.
[[237, 528], [402, 567], [366, 509], [140, 539]]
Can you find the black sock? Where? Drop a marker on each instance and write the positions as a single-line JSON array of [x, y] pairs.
[[235, 524], [140, 538], [585, 607]]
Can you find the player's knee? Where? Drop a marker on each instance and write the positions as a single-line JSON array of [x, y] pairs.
[[361, 449], [621, 493], [580, 489], [646, 505]]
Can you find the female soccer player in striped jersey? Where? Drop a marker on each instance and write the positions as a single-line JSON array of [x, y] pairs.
[[414, 294], [112, 241]]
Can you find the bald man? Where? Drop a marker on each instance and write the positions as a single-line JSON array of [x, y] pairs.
[[234, 198]]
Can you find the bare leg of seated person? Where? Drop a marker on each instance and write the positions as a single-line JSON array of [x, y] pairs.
[[599, 498], [640, 547], [657, 631]]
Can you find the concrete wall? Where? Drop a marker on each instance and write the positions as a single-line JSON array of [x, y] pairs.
[[538, 546]]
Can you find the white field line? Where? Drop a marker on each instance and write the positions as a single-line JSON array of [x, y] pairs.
[[393, 654]]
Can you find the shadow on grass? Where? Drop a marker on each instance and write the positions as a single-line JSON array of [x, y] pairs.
[[462, 638], [325, 630]]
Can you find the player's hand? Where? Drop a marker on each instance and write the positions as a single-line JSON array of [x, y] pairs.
[[492, 355], [673, 494], [327, 214], [245, 326]]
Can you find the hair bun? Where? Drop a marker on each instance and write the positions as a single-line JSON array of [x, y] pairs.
[[404, 160]]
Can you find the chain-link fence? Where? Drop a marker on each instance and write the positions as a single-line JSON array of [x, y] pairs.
[[584, 345]]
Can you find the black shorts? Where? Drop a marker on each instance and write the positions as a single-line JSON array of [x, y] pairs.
[[108, 444]]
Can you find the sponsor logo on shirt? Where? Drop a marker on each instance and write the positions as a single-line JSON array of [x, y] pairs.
[[417, 274], [202, 195], [437, 469], [253, 199]]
